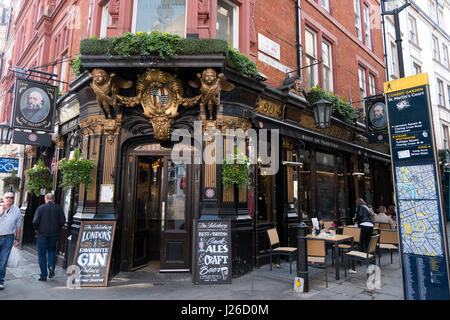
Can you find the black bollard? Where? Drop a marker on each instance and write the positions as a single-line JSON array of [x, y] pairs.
[[302, 256]]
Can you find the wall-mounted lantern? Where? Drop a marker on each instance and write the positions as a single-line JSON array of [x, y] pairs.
[[322, 113], [5, 133]]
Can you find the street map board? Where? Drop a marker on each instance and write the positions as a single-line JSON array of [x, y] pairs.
[[422, 233]]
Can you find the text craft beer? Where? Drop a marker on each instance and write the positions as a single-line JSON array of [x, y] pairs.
[[212, 252]]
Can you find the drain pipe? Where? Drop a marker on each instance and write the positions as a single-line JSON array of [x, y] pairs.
[[299, 40]]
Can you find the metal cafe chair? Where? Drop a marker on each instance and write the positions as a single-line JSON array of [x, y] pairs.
[[355, 233], [291, 252], [384, 225], [388, 241], [363, 256], [317, 255]]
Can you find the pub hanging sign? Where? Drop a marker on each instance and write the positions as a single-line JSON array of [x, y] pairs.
[[34, 105]]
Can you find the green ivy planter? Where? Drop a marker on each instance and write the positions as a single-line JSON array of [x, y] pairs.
[[236, 171], [75, 171], [11, 181], [39, 177]]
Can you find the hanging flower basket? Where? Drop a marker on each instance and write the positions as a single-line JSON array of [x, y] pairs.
[[236, 170], [9, 181], [75, 171], [39, 177]]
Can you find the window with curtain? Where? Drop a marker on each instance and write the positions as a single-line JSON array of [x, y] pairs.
[[412, 29], [63, 73], [448, 95], [435, 48], [393, 62], [326, 4], [441, 21], [445, 136], [371, 84], [362, 82], [357, 10], [106, 20], [416, 68], [445, 55], [161, 15], [440, 92], [432, 9], [228, 22], [311, 58], [327, 67], [367, 27]]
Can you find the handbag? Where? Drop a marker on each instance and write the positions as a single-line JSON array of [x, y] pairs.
[[14, 258]]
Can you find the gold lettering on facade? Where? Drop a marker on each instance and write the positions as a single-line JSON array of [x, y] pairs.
[[270, 108]]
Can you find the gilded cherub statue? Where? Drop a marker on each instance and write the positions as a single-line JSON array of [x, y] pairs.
[[106, 88], [211, 85]]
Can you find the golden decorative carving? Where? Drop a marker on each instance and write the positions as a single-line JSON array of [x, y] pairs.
[[233, 123], [210, 84], [99, 125], [298, 90], [270, 108], [94, 124], [160, 95], [106, 88]]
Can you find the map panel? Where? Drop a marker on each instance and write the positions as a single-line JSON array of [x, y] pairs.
[[419, 223], [416, 182]]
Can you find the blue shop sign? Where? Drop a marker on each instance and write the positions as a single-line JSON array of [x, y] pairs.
[[7, 165]]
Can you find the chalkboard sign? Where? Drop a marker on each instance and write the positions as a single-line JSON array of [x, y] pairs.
[[212, 252], [93, 252]]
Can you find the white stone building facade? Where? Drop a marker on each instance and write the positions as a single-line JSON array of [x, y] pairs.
[[425, 30]]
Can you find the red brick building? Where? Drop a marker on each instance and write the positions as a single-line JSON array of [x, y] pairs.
[[329, 33], [337, 45]]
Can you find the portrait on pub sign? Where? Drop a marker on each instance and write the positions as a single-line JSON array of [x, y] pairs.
[[378, 116], [34, 105]]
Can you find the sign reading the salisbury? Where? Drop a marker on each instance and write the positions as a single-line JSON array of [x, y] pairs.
[[93, 252], [422, 233], [34, 105], [212, 252]]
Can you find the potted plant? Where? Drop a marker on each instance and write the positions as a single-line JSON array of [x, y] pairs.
[[75, 171], [39, 177], [236, 170], [333, 229], [11, 180]]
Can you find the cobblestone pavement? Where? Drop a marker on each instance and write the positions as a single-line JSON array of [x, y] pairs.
[[261, 284]]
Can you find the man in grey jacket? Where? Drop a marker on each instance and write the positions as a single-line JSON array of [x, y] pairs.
[[47, 221], [382, 217]]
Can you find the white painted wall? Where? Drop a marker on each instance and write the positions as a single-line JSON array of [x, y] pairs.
[[428, 24]]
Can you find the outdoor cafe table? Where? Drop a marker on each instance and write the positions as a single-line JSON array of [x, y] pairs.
[[335, 241]]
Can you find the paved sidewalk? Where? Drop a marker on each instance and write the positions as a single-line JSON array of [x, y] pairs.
[[261, 284]]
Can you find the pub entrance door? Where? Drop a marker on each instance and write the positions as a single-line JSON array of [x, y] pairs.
[[161, 218]]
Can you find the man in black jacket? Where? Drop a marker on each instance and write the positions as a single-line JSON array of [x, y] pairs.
[[47, 221]]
